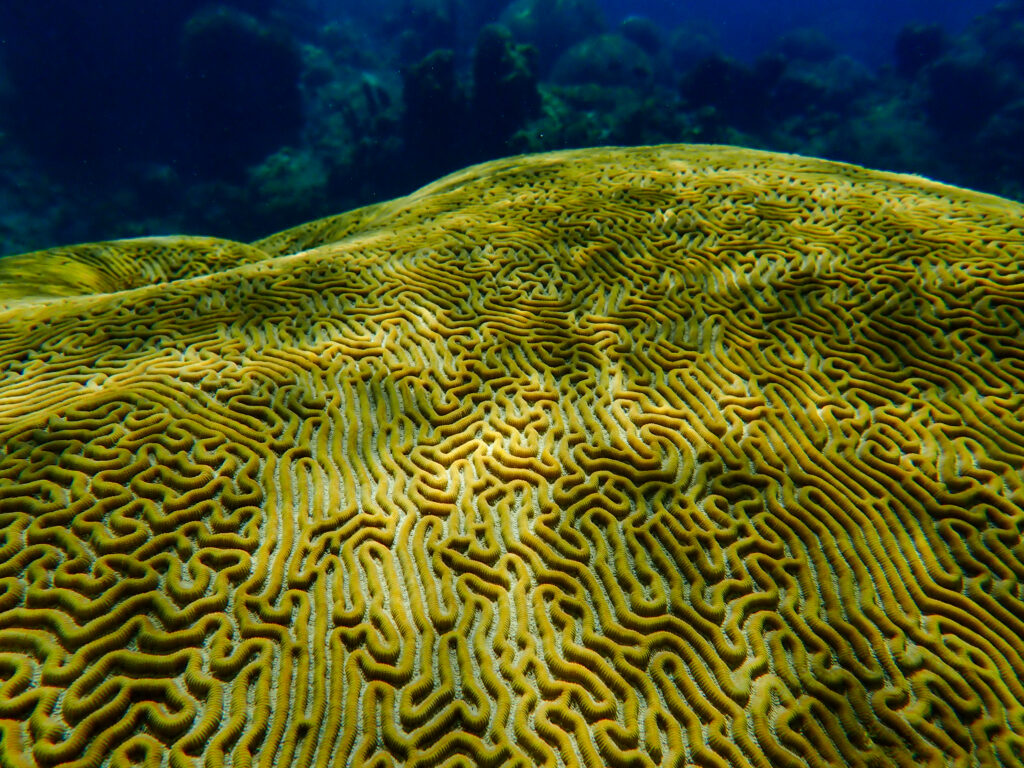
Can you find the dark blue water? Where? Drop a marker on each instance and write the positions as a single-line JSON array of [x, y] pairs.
[[863, 28], [121, 117]]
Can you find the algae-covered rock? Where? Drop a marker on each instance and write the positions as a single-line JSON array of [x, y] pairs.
[[643, 32], [738, 92], [242, 90], [688, 46], [553, 26], [834, 84], [918, 45], [607, 60], [505, 93], [805, 45], [434, 124], [962, 92]]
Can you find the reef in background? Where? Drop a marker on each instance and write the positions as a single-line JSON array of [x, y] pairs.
[[249, 115]]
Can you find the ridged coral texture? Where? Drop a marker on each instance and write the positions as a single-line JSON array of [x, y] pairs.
[[667, 456]]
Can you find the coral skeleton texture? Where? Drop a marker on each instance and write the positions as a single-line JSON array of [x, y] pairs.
[[680, 455]]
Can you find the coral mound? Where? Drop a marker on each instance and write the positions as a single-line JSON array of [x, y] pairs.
[[618, 457]]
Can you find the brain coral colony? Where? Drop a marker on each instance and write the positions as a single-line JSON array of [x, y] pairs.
[[661, 456]]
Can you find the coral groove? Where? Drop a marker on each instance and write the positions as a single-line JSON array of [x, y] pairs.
[[678, 455]]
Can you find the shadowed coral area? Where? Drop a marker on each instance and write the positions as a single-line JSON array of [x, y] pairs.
[[616, 457], [79, 270]]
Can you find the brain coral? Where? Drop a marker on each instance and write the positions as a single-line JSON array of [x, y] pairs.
[[620, 457]]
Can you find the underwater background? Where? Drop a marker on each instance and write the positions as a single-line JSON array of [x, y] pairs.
[[236, 119]]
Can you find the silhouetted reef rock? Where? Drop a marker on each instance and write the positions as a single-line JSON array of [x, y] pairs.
[[643, 32], [505, 93], [553, 26], [687, 47], [608, 60], [962, 93], [739, 93], [807, 45], [242, 90], [918, 45], [833, 84], [436, 111]]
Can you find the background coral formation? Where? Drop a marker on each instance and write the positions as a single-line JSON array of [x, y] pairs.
[[662, 456], [244, 116]]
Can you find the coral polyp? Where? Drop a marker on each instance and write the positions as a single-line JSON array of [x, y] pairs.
[[621, 457]]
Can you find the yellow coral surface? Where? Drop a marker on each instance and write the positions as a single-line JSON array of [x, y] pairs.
[[620, 457]]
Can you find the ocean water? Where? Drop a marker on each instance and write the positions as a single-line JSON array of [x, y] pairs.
[[866, 29], [244, 115]]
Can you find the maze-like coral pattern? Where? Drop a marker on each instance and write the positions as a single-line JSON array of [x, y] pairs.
[[666, 456]]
